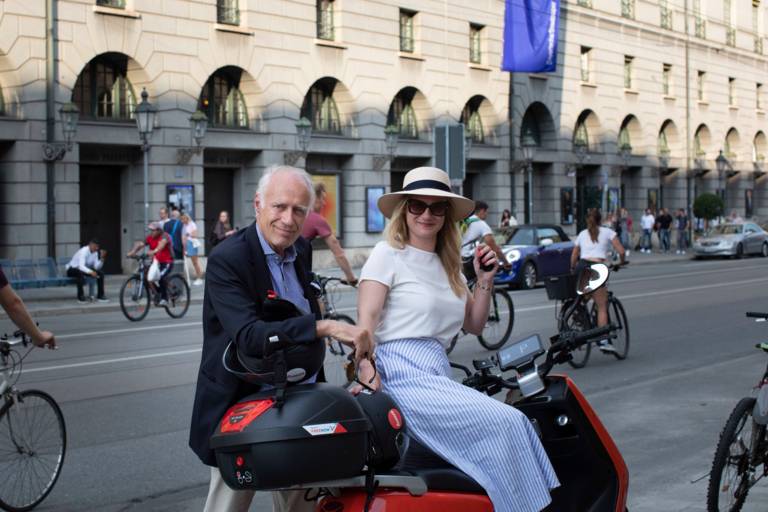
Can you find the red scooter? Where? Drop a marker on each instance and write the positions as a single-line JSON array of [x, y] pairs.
[[592, 472]]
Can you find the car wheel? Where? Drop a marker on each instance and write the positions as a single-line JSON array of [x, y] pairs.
[[739, 252], [764, 250], [529, 276]]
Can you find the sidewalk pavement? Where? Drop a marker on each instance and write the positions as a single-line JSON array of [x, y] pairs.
[[63, 300]]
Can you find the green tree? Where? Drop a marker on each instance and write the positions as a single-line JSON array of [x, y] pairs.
[[708, 207]]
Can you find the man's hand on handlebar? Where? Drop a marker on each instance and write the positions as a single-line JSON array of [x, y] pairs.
[[348, 334]]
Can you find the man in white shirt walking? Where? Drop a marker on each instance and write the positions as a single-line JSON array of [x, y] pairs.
[[647, 221], [86, 264], [477, 230]]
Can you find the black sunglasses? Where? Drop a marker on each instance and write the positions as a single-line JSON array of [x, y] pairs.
[[438, 209]]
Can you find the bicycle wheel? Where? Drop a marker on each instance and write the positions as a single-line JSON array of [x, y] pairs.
[[617, 316], [33, 441], [178, 296], [729, 480], [134, 299], [338, 357], [500, 321], [452, 344], [578, 320]]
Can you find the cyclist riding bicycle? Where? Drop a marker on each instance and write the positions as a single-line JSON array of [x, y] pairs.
[[592, 246], [160, 245], [475, 230], [17, 312]]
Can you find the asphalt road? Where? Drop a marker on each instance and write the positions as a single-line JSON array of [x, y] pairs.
[[126, 389]]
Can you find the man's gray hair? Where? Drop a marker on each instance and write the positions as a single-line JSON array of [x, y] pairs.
[[272, 170]]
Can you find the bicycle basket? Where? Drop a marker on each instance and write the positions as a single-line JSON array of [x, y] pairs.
[[561, 287]]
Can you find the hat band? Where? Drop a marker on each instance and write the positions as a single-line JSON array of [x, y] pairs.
[[414, 185]]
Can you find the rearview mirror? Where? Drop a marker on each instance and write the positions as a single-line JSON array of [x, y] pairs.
[[591, 278]]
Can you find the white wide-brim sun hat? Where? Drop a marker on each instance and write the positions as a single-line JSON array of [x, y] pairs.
[[427, 181]]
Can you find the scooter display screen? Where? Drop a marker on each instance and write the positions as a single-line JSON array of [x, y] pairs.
[[520, 353]]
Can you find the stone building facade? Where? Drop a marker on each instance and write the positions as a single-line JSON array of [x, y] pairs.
[[255, 68], [644, 98]]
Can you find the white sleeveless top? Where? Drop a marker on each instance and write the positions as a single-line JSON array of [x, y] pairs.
[[420, 302]]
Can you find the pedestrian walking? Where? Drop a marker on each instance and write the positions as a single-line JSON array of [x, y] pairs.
[[647, 222], [222, 229], [175, 228], [85, 266], [624, 230], [164, 217], [507, 220], [664, 221], [191, 246], [683, 224]]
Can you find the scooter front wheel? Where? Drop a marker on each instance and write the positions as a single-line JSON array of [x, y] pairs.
[[730, 478]]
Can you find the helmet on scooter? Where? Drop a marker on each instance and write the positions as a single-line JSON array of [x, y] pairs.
[[387, 436]]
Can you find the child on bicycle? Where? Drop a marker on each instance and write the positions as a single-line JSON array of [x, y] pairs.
[[593, 245], [159, 244]]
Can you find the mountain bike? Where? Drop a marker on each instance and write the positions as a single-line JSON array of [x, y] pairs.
[[501, 319], [742, 448], [33, 437], [576, 312], [136, 294], [339, 366]]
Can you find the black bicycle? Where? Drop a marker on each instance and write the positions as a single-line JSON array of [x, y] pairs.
[[576, 312], [501, 319], [33, 437], [137, 294], [741, 457], [339, 364]]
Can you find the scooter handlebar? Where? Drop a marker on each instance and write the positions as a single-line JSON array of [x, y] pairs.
[[755, 314]]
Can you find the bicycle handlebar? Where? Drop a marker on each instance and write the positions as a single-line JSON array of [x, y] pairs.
[[754, 314]]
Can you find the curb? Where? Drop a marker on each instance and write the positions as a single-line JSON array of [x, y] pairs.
[[76, 310]]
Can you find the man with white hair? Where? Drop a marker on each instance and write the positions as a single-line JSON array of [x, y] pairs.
[[265, 260]]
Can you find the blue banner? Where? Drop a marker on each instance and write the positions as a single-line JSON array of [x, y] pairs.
[[530, 35]]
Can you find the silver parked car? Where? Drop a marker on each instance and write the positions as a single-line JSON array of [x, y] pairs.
[[734, 240]]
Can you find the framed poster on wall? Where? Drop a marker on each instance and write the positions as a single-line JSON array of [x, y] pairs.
[[331, 210], [374, 219], [653, 199], [566, 205], [182, 197]]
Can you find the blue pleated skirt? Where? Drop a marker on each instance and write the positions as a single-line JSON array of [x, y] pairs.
[[490, 441]]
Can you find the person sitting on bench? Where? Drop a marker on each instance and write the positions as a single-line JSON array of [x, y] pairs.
[[85, 265]]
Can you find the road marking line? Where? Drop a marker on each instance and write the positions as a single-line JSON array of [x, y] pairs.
[[677, 276], [115, 360], [132, 329]]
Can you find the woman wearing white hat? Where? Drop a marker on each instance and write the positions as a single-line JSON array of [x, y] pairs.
[[414, 297]]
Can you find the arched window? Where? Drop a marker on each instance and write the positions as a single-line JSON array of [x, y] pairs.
[[102, 90], [320, 107], [698, 149], [222, 101], [402, 115], [580, 135], [624, 139], [663, 144], [473, 123]]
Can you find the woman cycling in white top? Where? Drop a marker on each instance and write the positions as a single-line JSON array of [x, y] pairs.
[[592, 245]]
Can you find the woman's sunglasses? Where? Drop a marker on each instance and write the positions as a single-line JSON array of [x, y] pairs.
[[438, 209]]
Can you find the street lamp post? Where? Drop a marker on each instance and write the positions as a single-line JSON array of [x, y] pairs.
[[528, 145], [303, 137], [69, 116], [722, 164], [198, 124], [391, 138], [145, 121]]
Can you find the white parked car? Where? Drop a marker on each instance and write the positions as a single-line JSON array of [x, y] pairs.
[[735, 240]]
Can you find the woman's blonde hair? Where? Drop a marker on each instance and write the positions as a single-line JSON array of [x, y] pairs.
[[184, 216], [447, 249]]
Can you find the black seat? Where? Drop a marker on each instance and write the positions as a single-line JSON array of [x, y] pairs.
[[438, 474]]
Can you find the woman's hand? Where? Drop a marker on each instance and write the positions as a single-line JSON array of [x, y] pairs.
[[368, 375], [485, 256]]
